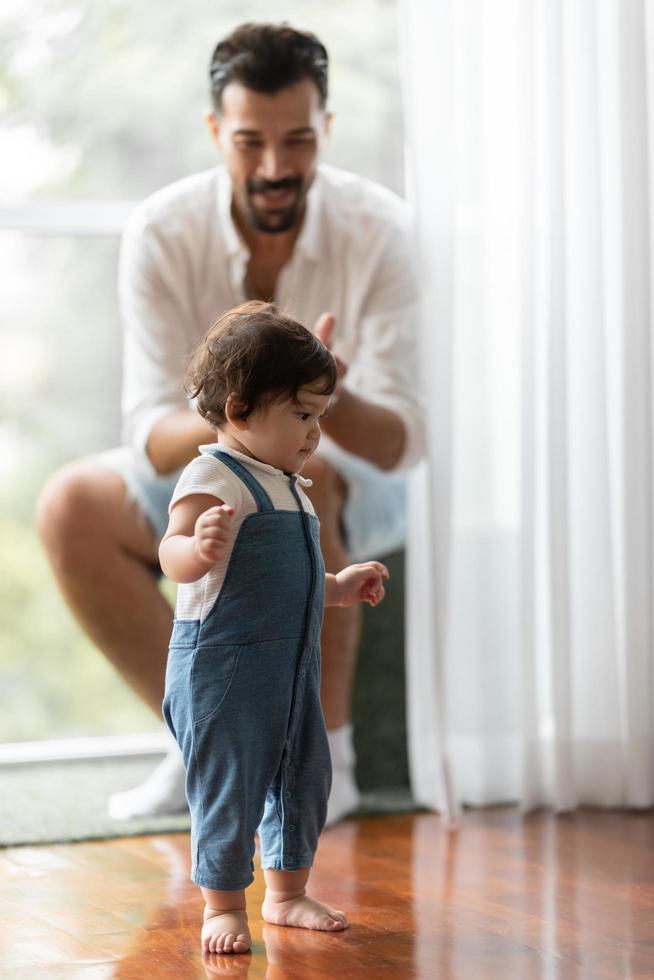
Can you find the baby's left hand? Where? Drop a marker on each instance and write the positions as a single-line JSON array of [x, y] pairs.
[[361, 583]]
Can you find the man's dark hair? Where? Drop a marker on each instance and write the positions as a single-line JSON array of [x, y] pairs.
[[267, 58], [257, 355]]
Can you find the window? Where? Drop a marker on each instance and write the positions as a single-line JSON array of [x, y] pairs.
[[102, 103]]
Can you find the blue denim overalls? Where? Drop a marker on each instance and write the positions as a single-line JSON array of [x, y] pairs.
[[243, 700]]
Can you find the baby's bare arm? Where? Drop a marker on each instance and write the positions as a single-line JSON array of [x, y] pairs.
[[196, 538]]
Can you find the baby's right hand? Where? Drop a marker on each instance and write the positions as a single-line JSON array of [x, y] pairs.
[[212, 533]]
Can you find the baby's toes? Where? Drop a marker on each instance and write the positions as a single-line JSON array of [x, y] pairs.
[[335, 915], [241, 944], [330, 923]]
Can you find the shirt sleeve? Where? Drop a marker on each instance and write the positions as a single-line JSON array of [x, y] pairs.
[[156, 316], [206, 474], [385, 369]]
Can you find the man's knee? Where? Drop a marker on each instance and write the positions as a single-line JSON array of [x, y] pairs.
[[328, 495], [69, 508], [328, 492]]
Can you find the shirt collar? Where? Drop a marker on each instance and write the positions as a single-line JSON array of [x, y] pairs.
[[234, 244], [309, 241], [256, 463]]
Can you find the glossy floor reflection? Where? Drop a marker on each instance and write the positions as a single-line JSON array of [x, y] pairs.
[[539, 898]]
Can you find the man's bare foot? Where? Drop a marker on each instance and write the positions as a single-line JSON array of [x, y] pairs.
[[302, 912], [225, 932]]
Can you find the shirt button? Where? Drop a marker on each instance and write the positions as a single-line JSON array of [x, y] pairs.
[[291, 827], [287, 794]]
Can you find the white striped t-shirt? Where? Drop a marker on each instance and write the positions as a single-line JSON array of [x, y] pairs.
[[206, 474]]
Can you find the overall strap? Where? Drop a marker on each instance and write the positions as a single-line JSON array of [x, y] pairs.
[[303, 513], [296, 494], [261, 498]]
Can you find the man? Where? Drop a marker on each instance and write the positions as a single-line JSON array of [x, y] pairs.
[[331, 249]]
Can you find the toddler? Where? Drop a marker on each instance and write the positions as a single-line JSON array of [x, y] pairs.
[[243, 677]]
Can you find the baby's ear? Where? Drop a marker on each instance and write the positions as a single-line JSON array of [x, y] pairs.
[[234, 413]]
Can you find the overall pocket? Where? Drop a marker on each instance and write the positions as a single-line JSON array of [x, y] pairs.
[[214, 668], [175, 707]]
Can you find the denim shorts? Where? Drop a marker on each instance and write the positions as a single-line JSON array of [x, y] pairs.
[[374, 516]]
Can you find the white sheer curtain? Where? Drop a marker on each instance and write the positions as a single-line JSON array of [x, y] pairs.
[[529, 662]]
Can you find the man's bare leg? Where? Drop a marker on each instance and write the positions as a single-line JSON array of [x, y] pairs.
[[340, 640], [102, 552]]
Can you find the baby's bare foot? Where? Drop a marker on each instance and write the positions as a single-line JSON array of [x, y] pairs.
[[302, 912], [225, 932]]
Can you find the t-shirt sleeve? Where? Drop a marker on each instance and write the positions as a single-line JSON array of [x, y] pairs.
[[157, 318], [385, 368], [206, 474]]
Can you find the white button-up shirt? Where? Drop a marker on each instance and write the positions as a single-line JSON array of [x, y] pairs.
[[183, 264]]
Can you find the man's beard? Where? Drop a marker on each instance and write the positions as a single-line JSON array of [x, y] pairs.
[[284, 219]]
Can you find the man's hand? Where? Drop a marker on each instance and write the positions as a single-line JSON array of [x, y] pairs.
[[361, 427], [212, 532], [357, 583], [323, 330]]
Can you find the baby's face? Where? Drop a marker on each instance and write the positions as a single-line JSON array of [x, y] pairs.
[[285, 434]]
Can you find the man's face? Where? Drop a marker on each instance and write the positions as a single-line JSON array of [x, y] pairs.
[[271, 145]]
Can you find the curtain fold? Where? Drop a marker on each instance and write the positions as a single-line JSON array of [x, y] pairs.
[[530, 581], [428, 572]]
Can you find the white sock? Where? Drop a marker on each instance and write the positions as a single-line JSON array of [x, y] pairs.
[[163, 791], [344, 797], [161, 794]]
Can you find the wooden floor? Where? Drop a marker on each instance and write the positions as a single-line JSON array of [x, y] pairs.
[[504, 897]]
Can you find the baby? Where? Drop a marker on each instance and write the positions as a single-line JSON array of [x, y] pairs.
[[243, 677]]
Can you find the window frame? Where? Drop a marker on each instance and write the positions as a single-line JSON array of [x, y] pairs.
[[75, 218]]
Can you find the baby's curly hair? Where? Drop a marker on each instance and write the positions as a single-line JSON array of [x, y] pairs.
[[256, 354]]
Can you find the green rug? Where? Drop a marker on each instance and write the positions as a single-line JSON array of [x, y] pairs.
[[53, 802], [57, 803]]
